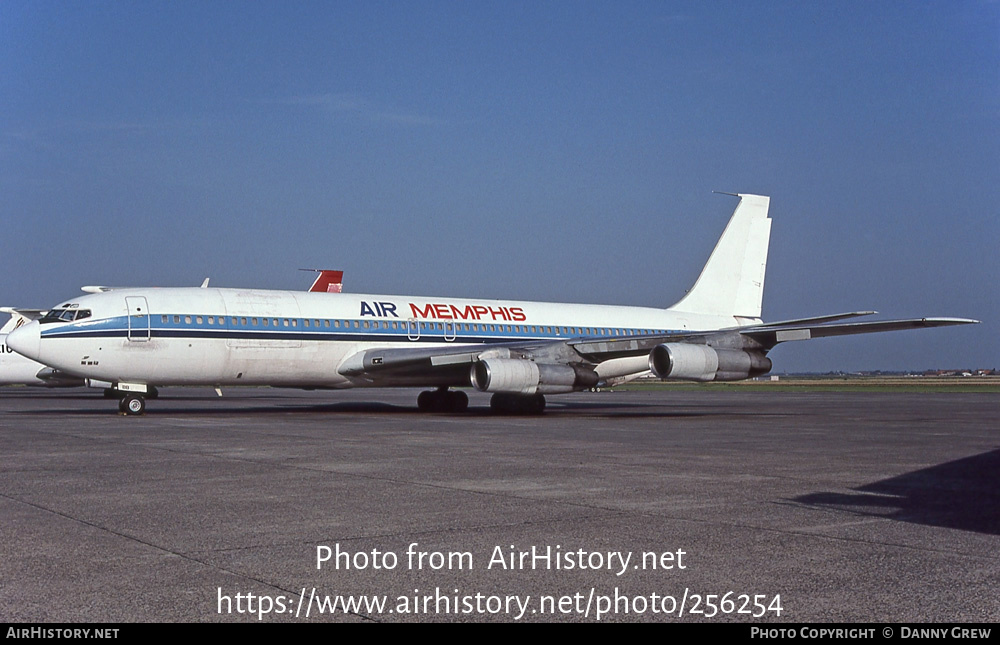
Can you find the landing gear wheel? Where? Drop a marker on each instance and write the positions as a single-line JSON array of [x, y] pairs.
[[516, 404], [442, 400], [536, 404], [458, 401], [132, 405]]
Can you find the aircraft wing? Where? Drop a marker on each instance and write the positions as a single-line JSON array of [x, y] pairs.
[[818, 319], [369, 363], [767, 334], [425, 360], [771, 335], [597, 350], [449, 365]]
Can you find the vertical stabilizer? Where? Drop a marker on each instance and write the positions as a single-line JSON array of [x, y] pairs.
[[19, 317], [732, 282], [328, 281]]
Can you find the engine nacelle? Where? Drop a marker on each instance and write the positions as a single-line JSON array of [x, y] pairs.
[[519, 376], [689, 362]]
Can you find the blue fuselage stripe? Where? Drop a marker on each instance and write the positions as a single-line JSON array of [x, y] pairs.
[[343, 330]]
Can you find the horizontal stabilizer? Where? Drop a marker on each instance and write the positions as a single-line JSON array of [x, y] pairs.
[[30, 314]]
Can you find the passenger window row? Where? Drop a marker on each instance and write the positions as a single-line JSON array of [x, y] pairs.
[[315, 323]]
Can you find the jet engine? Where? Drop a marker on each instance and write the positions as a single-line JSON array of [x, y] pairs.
[[519, 376], [689, 362]]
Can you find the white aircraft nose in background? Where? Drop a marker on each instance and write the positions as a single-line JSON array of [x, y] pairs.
[[24, 340]]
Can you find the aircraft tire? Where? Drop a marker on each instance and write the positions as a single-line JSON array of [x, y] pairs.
[[458, 401], [442, 401], [517, 404], [132, 405], [501, 403], [535, 404]]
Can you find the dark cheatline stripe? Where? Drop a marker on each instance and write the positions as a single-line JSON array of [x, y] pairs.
[[225, 334], [117, 327]]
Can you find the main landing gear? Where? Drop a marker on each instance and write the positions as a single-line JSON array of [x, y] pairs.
[[519, 404], [443, 400]]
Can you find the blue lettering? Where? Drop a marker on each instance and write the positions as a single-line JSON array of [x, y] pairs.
[[380, 309]]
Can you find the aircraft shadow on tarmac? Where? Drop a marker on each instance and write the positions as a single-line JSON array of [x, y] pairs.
[[962, 494], [210, 406], [195, 406], [199, 407]]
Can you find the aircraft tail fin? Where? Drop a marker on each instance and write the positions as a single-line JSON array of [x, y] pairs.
[[18, 317], [732, 281], [328, 281]]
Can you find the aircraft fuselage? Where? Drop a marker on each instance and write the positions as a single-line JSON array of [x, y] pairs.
[[192, 336]]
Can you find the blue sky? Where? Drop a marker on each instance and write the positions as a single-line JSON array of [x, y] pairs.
[[531, 150]]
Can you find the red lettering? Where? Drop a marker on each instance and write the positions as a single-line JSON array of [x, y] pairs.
[[469, 312], [463, 314], [427, 312]]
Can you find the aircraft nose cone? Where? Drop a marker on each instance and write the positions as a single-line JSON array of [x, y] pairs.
[[25, 340]]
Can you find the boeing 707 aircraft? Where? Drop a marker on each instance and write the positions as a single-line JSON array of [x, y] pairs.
[[519, 351]]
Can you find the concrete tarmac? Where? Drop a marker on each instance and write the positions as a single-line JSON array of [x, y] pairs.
[[699, 506]]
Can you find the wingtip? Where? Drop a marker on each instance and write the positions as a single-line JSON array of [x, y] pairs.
[[952, 321]]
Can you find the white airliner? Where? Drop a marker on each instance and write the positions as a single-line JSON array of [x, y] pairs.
[[127, 339], [20, 370]]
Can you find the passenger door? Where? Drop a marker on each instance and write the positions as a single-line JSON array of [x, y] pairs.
[[138, 318]]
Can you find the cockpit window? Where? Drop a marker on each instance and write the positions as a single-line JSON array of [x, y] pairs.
[[64, 315], [58, 315]]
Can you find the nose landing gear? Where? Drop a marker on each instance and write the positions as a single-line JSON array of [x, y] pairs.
[[132, 405]]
